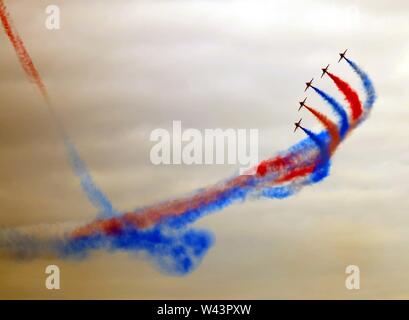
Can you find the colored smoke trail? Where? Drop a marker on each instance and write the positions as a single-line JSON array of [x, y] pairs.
[[176, 215], [21, 51], [163, 231], [350, 95], [174, 249], [305, 163], [338, 109], [95, 195], [321, 168], [329, 125], [366, 82]]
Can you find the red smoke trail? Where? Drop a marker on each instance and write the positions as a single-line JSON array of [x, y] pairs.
[[350, 95], [282, 164], [297, 173], [22, 54], [329, 125], [272, 165], [285, 168]]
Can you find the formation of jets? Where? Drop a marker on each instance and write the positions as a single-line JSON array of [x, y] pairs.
[[309, 84]]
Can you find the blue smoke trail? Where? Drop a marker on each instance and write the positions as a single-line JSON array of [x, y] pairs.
[[175, 248], [280, 192], [95, 195], [367, 84], [323, 165], [176, 251], [320, 143], [338, 108]]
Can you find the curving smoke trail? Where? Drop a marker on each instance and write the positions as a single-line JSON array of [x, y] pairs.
[[350, 95], [367, 84], [162, 231], [331, 127], [338, 109]]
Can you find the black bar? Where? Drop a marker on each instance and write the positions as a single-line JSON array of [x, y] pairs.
[[202, 309]]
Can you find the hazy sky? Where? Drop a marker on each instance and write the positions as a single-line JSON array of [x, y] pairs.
[[116, 70]]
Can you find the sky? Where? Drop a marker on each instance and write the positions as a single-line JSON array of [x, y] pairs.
[[116, 70]]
